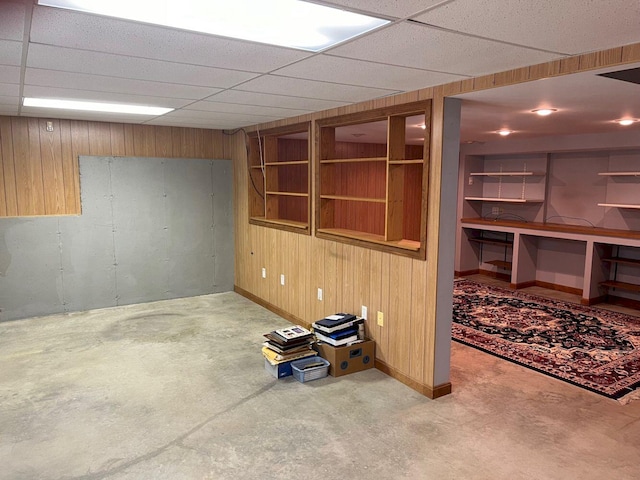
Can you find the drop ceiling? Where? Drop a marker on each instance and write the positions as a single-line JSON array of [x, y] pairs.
[[216, 82]]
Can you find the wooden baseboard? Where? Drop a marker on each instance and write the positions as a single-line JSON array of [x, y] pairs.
[[465, 273], [433, 393], [516, 286], [623, 302], [269, 306], [559, 288], [427, 391], [490, 273], [593, 301]]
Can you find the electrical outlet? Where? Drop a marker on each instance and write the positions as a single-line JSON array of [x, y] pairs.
[[470, 180], [320, 294], [282, 279], [264, 273], [497, 210], [380, 319], [363, 314]]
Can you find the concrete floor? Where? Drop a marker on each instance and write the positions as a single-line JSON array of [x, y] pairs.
[[177, 390]]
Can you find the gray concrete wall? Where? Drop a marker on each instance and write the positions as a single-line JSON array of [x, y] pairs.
[[150, 229]]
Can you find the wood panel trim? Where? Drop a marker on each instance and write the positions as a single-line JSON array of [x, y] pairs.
[[429, 392], [271, 307], [39, 172]]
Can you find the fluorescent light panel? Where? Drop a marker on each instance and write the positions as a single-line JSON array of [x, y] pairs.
[[94, 106], [287, 23]]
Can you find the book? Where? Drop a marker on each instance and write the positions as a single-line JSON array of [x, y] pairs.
[[342, 338], [293, 333], [335, 320], [275, 358], [317, 326], [279, 349], [283, 343]]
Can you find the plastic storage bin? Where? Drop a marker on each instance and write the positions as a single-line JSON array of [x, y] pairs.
[[303, 373]]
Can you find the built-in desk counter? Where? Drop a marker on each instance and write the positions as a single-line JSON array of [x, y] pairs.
[[576, 259]]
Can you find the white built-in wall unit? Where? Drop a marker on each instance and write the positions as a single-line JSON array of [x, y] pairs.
[[555, 202], [562, 212]]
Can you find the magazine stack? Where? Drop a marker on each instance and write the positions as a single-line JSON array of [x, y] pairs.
[[285, 345], [339, 329]]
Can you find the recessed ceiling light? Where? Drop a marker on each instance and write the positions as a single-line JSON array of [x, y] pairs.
[[625, 122], [543, 112], [287, 23], [95, 106], [504, 132]]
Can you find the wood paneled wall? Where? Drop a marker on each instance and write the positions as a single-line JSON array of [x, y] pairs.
[[39, 169], [404, 289]]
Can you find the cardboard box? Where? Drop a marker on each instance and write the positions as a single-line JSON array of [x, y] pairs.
[[280, 370], [345, 360]]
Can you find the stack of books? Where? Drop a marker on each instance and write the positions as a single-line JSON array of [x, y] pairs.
[[288, 344], [339, 329]]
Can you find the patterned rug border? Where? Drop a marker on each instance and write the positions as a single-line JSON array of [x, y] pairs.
[[560, 304]]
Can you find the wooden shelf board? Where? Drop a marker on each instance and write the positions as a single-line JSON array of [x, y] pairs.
[[619, 205], [624, 261], [500, 263], [256, 166], [373, 238], [631, 287], [619, 174], [507, 174], [289, 194], [281, 221], [505, 200], [354, 160], [279, 164], [406, 162], [492, 241], [353, 199]]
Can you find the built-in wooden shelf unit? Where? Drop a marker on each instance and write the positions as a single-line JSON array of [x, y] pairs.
[[372, 178], [279, 178]]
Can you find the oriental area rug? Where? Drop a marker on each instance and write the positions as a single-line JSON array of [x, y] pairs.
[[589, 347]]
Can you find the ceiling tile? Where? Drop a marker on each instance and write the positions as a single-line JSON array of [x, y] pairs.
[[8, 111], [313, 89], [9, 89], [9, 100], [81, 81], [389, 8], [9, 74], [369, 74], [271, 100], [83, 61], [418, 46], [65, 28], [74, 94], [197, 115], [10, 52], [560, 26], [186, 123], [12, 20], [246, 109]]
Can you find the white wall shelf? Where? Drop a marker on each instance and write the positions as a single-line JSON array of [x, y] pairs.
[[619, 205], [505, 200], [507, 174]]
